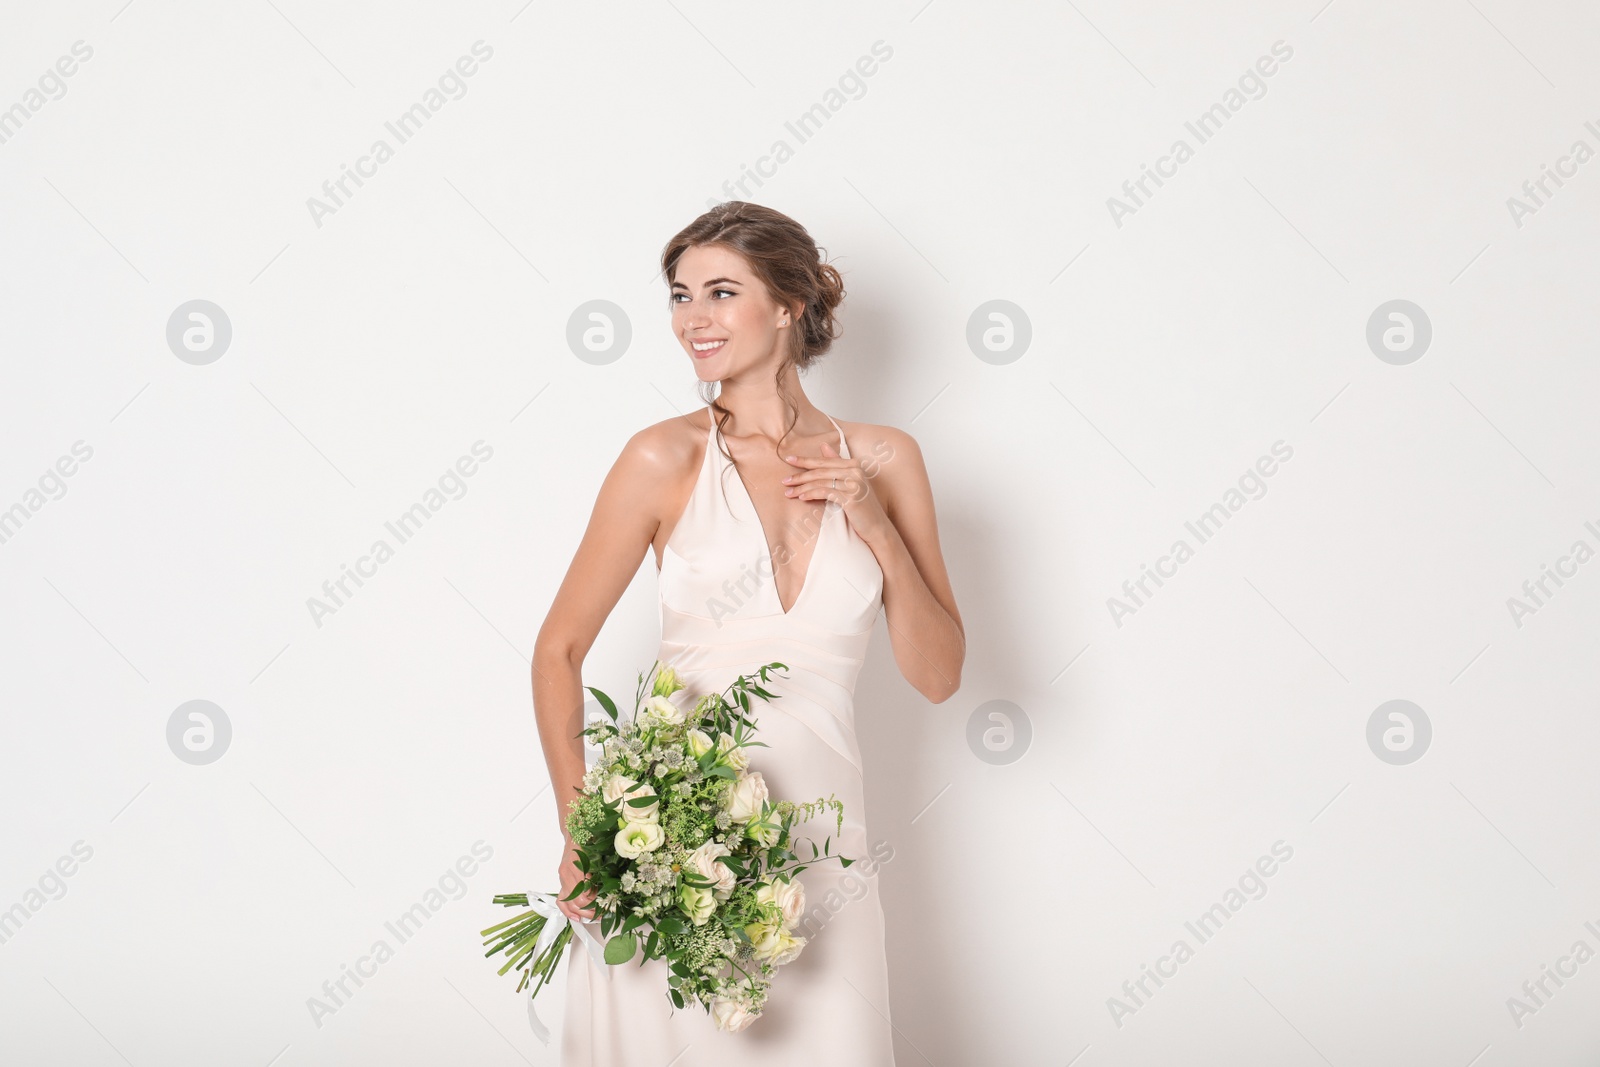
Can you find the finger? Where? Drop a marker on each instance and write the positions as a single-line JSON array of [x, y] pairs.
[[821, 493], [812, 461], [822, 475], [823, 485]]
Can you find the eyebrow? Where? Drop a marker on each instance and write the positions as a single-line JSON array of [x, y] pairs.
[[713, 281]]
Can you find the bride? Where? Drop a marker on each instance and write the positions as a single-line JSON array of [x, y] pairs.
[[778, 534]]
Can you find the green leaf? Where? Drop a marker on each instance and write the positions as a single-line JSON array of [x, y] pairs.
[[620, 949], [844, 862], [605, 702], [641, 802], [677, 998], [668, 925]]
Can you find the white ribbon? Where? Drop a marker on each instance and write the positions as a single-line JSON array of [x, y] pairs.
[[555, 919]]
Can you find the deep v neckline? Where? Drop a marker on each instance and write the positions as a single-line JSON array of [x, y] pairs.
[[761, 530]]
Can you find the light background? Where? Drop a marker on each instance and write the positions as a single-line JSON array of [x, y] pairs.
[[1168, 353]]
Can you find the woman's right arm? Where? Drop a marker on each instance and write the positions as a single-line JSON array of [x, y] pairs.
[[626, 516]]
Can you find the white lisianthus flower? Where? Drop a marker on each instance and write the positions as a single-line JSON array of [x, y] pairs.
[[763, 832], [746, 796], [764, 938], [790, 897], [703, 861], [637, 838], [773, 943], [643, 812], [700, 743], [732, 755], [697, 903], [660, 711], [731, 1016]]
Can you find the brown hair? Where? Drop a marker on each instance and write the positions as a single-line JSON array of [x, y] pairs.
[[788, 262]]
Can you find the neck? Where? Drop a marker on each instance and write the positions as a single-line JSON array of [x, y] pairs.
[[759, 409]]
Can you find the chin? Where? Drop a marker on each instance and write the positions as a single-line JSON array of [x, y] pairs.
[[709, 370]]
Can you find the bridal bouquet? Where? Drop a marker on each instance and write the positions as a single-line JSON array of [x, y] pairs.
[[690, 860]]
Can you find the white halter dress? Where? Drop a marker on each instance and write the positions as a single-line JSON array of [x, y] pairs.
[[721, 617]]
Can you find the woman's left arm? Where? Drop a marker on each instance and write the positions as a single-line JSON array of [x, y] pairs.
[[889, 502]]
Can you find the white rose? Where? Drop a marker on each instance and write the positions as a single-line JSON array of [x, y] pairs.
[[730, 1015], [773, 943], [660, 711], [732, 756], [704, 862], [643, 812], [700, 743], [789, 947], [790, 897], [615, 786], [637, 838], [746, 797]]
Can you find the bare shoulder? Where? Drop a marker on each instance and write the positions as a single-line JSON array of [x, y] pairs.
[[893, 460], [667, 448]]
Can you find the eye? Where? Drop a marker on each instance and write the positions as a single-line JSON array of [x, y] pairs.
[[730, 292]]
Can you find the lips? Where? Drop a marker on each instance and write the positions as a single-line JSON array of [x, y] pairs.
[[720, 342]]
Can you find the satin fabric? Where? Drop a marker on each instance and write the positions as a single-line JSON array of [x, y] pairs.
[[721, 616]]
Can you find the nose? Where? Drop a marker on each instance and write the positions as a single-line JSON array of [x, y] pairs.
[[692, 316]]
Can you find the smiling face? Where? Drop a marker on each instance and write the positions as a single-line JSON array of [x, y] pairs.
[[723, 315]]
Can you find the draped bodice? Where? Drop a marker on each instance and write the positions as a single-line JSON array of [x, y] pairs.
[[720, 610]]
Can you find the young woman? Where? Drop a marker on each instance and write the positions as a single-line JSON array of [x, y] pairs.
[[778, 533]]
